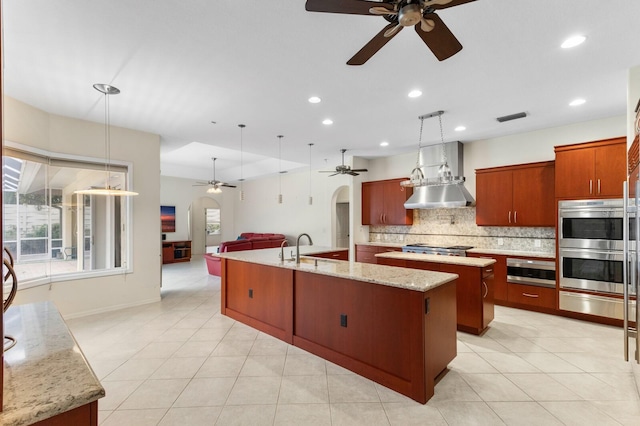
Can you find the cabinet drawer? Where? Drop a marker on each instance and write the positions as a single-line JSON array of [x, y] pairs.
[[532, 295]]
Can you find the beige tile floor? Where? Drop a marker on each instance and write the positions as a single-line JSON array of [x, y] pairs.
[[179, 362]]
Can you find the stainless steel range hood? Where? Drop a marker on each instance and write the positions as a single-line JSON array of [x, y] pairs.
[[437, 191]]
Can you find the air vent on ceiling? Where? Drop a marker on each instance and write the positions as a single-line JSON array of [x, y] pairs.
[[512, 117]]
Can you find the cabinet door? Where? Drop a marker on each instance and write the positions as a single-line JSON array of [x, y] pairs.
[[395, 195], [372, 203], [493, 198], [488, 300], [469, 297], [499, 274], [575, 173], [611, 170], [534, 196], [335, 313]]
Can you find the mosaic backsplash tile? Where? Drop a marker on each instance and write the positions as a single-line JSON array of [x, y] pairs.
[[457, 226]]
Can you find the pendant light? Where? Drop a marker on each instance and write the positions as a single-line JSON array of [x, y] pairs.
[[107, 90], [280, 171], [242, 126], [310, 197]]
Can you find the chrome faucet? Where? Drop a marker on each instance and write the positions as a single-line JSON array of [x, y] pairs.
[[282, 244], [298, 246]]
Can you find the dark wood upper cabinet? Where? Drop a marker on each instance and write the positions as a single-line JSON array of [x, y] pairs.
[[383, 203], [520, 195], [591, 170]]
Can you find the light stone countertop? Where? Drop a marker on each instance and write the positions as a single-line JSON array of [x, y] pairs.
[[45, 373], [411, 279], [381, 244], [550, 255], [452, 260]]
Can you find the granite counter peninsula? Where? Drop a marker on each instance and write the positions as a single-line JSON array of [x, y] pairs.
[[396, 326], [47, 380]]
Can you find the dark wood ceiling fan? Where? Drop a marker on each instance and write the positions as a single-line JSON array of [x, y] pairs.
[[343, 169], [399, 13]]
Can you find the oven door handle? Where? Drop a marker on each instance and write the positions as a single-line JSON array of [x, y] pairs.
[[611, 255]]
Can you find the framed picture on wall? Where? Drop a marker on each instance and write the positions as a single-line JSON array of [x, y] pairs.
[[168, 218]]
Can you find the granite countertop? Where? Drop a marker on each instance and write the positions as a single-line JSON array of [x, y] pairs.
[[547, 254], [45, 373], [453, 260], [411, 279]]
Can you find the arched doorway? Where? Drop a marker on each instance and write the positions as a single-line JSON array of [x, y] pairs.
[[341, 224]]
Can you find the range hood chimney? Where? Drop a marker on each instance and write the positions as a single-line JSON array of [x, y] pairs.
[[437, 187]]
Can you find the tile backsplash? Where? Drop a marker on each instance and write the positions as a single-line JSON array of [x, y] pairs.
[[457, 226]]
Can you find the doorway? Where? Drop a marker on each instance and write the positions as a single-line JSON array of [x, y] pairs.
[[341, 223], [203, 241]]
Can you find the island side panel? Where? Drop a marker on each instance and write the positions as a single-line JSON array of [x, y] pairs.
[[391, 349], [440, 340], [260, 296], [81, 416]]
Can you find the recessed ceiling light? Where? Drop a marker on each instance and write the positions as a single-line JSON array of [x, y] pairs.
[[573, 41], [460, 128], [385, 143], [577, 102], [327, 122], [314, 100], [415, 94]]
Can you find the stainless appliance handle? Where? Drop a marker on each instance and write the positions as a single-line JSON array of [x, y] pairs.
[[635, 279], [625, 269]]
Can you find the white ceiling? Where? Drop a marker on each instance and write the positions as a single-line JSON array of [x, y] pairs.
[[181, 65]]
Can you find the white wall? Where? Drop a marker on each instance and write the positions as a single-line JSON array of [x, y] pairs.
[[182, 194], [29, 126], [513, 149]]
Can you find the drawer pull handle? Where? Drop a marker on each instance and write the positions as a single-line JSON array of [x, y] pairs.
[[535, 296], [488, 270]]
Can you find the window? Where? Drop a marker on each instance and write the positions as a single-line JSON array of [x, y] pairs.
[[212, 217], [54, 233]]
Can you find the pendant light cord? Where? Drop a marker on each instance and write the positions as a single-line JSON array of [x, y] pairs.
[[444, 151], [419, 143]]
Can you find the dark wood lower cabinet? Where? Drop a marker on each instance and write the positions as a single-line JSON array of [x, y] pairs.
[[85, 415], [261, 296], [400, 338], [474, 291]]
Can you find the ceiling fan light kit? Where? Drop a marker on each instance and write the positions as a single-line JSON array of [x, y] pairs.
[[215, 186], [419, 14], [106, 90]]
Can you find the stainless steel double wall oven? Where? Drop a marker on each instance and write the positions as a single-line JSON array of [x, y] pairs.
[[591, 238]]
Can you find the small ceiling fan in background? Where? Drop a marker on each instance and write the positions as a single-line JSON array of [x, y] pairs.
[[399, 13], [215, 185], [342, 169]]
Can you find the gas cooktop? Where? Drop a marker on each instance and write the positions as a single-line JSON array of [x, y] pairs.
[[430, 249]]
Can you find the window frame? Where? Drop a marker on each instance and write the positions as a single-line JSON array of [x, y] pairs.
[[59, 159]]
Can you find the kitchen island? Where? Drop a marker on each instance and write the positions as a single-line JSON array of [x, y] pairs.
[[47, 380], [395, 326], [474, 291]]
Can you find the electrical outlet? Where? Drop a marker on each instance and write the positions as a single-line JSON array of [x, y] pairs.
[[537, 243], [500, 241]]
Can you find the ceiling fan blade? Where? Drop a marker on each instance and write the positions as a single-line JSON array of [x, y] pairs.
[[353, 7], [373, 46], [382, 11], [334, 174], [227, 185], [359, 170], [326, 171], [392, 31], [443, 4], [440, 40], [427, 25]]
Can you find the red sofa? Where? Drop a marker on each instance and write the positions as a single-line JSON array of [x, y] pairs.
[[247, 241]]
